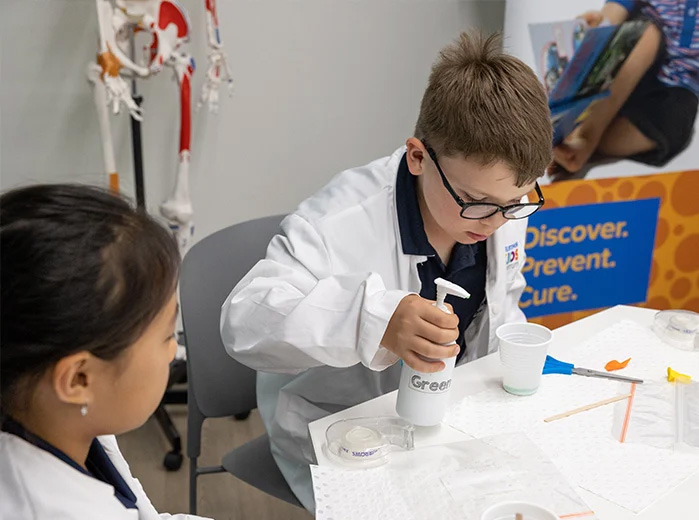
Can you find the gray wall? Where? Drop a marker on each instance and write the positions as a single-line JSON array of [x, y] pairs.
[[320, 85]]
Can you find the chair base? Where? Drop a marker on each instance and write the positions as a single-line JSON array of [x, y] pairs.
[[178, 374], [173, 459]]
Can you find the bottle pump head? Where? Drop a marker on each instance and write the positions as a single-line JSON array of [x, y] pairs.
[[445, 287]]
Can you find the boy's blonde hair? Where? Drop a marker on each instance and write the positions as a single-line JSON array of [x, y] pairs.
[[485, 104]]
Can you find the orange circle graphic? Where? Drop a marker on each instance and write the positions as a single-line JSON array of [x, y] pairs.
[[652, 190], [680, 288], [687, 254], [684, 196], [583, 194], [662, 232], [625, 190]]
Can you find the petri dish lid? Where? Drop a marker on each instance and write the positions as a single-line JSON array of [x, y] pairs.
[[367, 441], [678, 328]]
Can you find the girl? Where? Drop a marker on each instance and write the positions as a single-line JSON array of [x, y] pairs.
[[88, 313]]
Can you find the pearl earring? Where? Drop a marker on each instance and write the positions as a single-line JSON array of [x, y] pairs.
[[83, 410]]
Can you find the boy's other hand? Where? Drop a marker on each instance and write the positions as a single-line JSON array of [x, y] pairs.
[[612, 11], [592, 18], [419, 330]]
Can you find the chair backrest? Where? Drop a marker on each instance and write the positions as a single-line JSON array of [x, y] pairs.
[[220, 385]]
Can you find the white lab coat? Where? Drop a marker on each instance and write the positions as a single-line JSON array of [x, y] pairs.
[[37, 485], [315, 309]]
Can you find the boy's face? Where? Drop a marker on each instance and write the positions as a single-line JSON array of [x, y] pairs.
[[473, 182]]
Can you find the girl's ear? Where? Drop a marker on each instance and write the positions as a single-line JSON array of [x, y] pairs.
[[73, 377]]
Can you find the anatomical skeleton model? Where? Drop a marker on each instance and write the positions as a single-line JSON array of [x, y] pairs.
[[169, 27]]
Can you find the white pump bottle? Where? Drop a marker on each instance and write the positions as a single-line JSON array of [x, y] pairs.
[[423, 398]]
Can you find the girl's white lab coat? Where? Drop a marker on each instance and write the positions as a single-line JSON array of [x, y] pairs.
[[37, 485], [315, 309]]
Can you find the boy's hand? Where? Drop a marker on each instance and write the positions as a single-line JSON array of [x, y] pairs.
[[418, 328], [612, 11], [592, 18]]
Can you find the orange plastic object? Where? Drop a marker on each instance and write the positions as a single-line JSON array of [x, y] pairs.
[[616, 365]]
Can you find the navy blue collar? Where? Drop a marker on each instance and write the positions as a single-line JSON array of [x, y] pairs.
[[412, 228], [98, 462]]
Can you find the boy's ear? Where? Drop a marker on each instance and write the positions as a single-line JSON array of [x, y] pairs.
[[416, 155], [71, 378]]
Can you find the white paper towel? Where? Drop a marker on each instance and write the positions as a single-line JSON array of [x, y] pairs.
[[453, 481], [631, 475]]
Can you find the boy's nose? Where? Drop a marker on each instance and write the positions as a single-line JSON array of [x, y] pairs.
[[494, 221]]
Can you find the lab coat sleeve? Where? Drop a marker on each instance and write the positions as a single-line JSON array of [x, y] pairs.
[[291, 312], [145, 507]]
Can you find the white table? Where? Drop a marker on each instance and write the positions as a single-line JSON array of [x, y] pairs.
[[681, 504]]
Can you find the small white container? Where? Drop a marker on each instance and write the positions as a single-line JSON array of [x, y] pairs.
[[523, 348], [509, 511]]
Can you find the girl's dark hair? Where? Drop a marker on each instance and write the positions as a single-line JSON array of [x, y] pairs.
[[80, 269]]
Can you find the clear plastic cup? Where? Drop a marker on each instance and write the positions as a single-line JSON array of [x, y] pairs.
[[523, 348]]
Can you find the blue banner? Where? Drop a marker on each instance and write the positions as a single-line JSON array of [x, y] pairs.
[[586, 257]]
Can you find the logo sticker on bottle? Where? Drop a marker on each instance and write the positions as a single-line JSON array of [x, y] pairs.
[[427, 386]]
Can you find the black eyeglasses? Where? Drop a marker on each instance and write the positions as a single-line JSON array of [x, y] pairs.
[[481, 210]]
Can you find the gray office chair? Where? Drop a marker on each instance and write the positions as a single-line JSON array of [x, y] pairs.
[[219, 386]]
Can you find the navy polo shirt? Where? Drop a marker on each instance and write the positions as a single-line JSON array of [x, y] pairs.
[[98, 463], [467, 263]]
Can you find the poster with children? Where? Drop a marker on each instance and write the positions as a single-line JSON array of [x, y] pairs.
[[647, 54], [634, 144]]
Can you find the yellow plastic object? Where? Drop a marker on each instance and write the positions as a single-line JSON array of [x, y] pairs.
[[674, 376]]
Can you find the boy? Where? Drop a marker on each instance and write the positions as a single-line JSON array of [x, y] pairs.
[[650, 112], [346, 290]]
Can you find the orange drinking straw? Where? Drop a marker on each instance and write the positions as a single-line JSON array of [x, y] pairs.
[[625, 427]]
